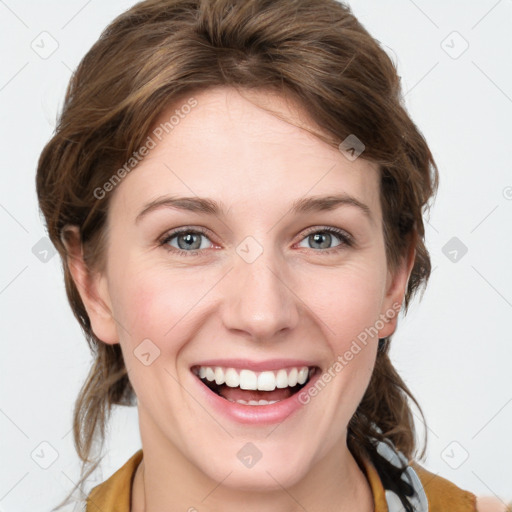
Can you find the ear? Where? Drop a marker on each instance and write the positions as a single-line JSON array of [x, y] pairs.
[[396, 286], [92, 287]]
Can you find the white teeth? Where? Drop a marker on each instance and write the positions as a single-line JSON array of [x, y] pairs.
[[248, 380], [292, 377], [267, 381], [219, 375], [303, 375], [209, 374], [281, 379], [254, 402], [232, 378], [261, 381]]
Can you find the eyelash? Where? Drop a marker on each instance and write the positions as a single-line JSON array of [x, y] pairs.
[[346, 240]]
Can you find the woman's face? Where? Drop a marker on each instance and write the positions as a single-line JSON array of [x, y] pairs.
[[275, 280]]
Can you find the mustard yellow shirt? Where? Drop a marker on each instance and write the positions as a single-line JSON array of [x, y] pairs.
[[114, 494]]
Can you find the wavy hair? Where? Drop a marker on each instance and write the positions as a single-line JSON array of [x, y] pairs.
[[314, 51]]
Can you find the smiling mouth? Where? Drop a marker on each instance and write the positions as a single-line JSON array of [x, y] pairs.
[[254, 388]]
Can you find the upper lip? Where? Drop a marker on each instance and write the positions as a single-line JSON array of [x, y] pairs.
[[269, 364]]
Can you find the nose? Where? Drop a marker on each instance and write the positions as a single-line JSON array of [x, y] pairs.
[[258, 298]]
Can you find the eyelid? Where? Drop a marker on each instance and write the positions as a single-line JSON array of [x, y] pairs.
[[341, 233], [169, 235], [346, 239]]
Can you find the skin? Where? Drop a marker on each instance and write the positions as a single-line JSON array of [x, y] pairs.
[[294, 300], [490, 504]]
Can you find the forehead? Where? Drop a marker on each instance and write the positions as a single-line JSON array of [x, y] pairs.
[[228, 146]]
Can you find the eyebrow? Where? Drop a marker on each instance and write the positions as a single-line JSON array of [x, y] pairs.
[[214, 208]]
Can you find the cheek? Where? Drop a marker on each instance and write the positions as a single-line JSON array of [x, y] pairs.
[[151, 305], [347, 302], [153, 313]]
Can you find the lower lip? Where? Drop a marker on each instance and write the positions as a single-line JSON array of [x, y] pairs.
[[255, 414]]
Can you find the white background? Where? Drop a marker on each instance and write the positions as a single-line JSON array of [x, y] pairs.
[[454, 349]]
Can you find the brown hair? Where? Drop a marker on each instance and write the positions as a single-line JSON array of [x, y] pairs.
[[314, 51]]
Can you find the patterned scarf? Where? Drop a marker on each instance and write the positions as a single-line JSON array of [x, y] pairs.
[[418, 501]]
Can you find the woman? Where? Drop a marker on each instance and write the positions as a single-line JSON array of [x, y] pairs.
[[236, 193]]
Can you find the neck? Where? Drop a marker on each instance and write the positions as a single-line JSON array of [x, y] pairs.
[[147, 496], [168, 480]]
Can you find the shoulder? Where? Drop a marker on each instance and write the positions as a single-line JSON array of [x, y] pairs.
[[432, 492], [114, 494], [488, 504], [443, 495]]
